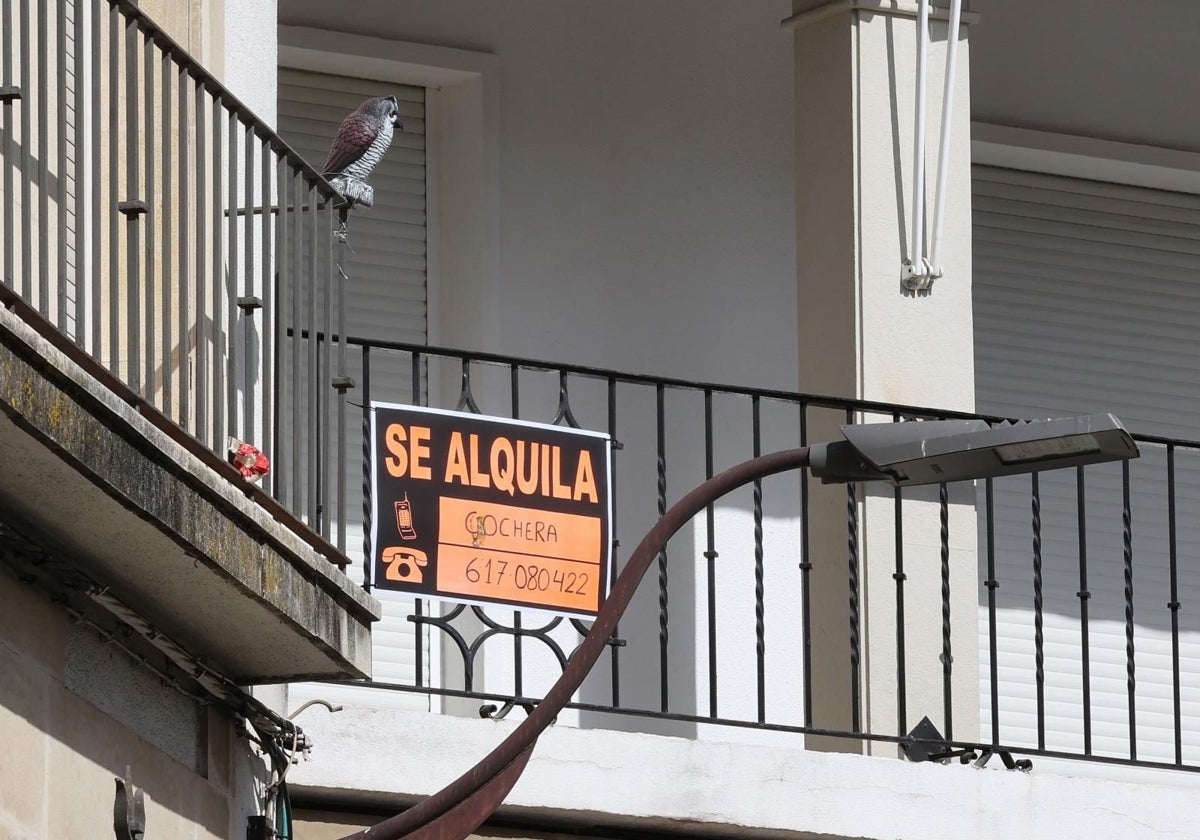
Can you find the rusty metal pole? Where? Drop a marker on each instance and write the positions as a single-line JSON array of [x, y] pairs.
[[462, 806]]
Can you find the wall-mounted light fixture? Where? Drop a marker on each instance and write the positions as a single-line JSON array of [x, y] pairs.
[[932, 451]]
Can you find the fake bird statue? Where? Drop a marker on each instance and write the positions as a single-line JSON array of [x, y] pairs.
[[359, 145]]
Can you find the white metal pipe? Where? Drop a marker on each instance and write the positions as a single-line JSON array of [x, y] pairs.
[[917, 252], [939, 205]]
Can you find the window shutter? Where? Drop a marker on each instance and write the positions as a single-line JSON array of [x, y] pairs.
[[385, 299], [1086, 299]]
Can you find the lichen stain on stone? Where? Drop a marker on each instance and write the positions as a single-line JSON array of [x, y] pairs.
[[55, 414], [25, 392], [272, 577], [28, 398]]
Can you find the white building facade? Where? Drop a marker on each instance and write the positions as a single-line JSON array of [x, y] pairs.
[[688, 226], [657, 190]]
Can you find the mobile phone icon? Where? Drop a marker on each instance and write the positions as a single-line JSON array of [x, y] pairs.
[[404, 519]]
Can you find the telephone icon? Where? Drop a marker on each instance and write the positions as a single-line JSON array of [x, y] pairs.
[[404, 564]]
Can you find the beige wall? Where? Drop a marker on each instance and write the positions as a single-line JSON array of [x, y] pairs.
[[191, 23], [61, 753]]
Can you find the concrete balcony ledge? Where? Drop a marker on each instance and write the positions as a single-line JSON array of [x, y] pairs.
[[609, 783], [172, 537]]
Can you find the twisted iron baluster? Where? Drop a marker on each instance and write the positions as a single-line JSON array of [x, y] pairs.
[[662, 554], [946, 657], [852, 546], [1130, 676], [1039, 652], [759, 628], [852, 555]]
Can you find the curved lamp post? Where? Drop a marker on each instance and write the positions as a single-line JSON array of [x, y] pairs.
[[902, 453]]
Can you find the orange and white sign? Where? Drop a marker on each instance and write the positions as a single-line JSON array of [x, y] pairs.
[[483, 509]]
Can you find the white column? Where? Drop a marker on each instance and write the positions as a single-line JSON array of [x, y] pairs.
[[862, 334], [251, 55]]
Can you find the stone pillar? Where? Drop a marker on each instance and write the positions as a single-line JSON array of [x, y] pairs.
[[862, 334]]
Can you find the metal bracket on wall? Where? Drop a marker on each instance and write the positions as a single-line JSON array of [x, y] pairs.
[[257, 828], [133, 208], [925, 743], [1010, 763], [9, 93], [129, 810], [491, 710]]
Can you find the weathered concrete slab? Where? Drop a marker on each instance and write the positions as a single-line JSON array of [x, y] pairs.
[[171, 537]]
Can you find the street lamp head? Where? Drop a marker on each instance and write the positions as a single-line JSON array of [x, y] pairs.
[[933, 451]]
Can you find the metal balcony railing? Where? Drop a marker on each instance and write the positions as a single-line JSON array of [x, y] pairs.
[[725, 628], [164, 228]]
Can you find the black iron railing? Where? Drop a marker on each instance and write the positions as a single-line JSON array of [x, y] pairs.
[[167, 230], [725, 630]]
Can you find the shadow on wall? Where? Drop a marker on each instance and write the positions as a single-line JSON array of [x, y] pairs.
[[1094, 562], [79, 731]]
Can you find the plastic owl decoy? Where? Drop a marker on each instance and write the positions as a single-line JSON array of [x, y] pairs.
[[360, 143]]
